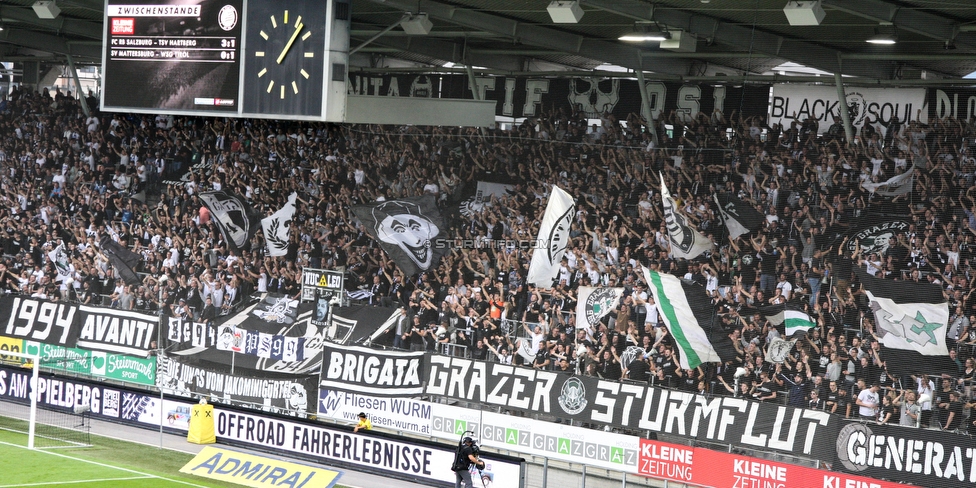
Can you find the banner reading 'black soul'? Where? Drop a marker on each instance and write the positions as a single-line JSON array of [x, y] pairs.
[[736, 421]]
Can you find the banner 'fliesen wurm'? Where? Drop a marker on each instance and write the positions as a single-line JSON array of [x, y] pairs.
[[686, 242], [553, 238], [74, 325], [688, 313], [911, 320], [725, 420], [892, 187], [277, 228], [272, 335], [124, 260], [739, 217], [407, 229], [595, 303], [372, 371], [235, 218], [288, 393]]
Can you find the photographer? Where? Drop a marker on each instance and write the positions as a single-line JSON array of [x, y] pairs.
[[467, 455]]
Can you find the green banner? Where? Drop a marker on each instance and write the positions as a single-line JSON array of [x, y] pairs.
[[99, 364]]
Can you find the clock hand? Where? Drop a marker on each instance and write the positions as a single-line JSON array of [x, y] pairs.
[[291, 41]]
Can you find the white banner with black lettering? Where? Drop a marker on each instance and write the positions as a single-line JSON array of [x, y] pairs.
[[403, 459], [878, 106], [373, 371]]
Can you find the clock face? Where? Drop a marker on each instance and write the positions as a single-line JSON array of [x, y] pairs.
[[284, 58]]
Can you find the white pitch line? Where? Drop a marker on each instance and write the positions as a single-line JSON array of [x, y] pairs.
[[107, 466], [80, 481]]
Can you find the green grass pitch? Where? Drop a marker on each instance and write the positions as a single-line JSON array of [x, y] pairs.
[[108, 463]]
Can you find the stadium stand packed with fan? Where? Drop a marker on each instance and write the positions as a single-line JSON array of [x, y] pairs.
[[778, 264]]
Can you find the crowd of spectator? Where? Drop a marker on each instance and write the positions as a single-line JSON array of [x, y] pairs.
[[70, 178]]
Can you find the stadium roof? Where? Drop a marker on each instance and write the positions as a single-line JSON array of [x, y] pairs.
[[936, 39]]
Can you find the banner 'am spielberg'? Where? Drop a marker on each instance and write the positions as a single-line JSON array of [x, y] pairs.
[[73, 325], [740, 422], [594, 96]]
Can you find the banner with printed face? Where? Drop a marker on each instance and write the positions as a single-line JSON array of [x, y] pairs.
[[918, 456], [743, 423], [286, 394], [373, 371], [877, 106], [406, 229], [273, 334], [323, 287], [594, 96], [118, 367], [74, 325]]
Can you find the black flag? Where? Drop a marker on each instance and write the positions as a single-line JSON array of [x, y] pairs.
[[409, 230], [124, 260], [237, 221], [739, 216]]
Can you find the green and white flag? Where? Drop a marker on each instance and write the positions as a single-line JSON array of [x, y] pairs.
[[794, 319], [690, 318]]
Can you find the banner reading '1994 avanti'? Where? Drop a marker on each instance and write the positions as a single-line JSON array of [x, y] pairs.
[[73, 325]]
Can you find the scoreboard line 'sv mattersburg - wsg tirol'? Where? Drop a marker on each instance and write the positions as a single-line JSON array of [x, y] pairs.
[[237, 58]]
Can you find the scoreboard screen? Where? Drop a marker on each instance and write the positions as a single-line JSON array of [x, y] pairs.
[[173, 56], [254, 58]]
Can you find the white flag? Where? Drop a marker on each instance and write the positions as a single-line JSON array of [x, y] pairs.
[[62, 263], [686, 242], [277, 228], [595, 303], [899, 185], [553, 238]]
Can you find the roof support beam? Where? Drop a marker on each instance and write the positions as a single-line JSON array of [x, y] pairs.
[[60, 25], [50, 43], [910, 19]]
